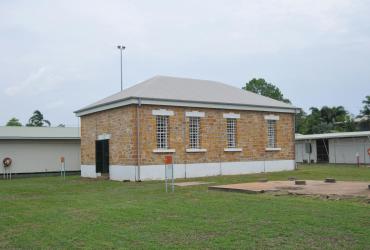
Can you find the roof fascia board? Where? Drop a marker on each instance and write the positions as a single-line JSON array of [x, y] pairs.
[[148, 101], [216, 105], [106, 106]]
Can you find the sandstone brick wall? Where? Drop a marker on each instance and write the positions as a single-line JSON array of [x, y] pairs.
[[121, 124], [251, 136]]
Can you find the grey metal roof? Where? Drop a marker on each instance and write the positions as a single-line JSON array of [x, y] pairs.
[[39, 133], [332, 135], [184, 90]]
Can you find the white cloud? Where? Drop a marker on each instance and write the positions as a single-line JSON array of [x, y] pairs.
[[72, 46], [41, 81], [182, 28], [55, 104]]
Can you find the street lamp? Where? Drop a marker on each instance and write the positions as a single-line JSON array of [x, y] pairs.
[[121, 48]]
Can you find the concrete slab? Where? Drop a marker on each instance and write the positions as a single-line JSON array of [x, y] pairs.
[[339, 188], [191, 183], [253, 187]]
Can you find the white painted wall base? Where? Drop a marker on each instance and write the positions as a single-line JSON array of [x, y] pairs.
[[89, 171], [122, 173], [157, 172]]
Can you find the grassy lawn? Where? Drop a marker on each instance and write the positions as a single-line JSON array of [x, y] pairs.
[[47, 212]]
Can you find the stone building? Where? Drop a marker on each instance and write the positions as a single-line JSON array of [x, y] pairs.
[[208, 127]]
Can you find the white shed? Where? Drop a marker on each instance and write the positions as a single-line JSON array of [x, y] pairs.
[[333, 147], [39, 149]]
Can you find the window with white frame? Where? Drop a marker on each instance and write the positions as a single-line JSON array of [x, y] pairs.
[[162, 131], [231, 132], [271, 133], [194, 131]]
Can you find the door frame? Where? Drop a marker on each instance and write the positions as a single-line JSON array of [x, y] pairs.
[[102, 156]]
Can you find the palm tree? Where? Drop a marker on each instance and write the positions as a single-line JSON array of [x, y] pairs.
[[339, 114], [326, 114], [37, 120], [366, 108], [333, 115]]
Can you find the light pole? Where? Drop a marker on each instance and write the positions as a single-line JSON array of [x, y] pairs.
[[121, 48]]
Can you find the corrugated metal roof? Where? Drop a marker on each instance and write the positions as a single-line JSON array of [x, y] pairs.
[[332, 135], [190, 90], [39, 133]]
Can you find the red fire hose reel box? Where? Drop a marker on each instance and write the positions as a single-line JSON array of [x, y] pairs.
[[7, 161]]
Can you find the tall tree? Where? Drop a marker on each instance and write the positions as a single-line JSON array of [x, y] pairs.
[[300, 119], [261, 87], [14, 122], [333, 114], [325, 120], [363, 119], [366, 109], [37, 120]]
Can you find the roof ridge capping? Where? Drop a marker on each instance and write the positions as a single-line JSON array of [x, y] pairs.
[[178, 91]]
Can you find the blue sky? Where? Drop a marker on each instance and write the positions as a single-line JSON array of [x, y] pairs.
[[57, 56]]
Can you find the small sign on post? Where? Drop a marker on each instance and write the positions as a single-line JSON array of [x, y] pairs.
[[358, 159], [62, 167], [169, 178]]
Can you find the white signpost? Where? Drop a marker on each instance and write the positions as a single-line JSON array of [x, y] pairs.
[[169, 178], [62, 167]]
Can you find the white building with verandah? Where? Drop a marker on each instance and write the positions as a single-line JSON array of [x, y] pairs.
[[344, 147]]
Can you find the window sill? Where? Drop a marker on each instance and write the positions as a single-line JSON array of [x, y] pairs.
[[233, 149], [195, 150], [273, 149], [164, 150]]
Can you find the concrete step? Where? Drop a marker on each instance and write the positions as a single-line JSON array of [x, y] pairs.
[[103, 177]]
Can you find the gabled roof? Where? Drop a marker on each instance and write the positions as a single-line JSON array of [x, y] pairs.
[[39, 133], [175, 91], [299, 137]]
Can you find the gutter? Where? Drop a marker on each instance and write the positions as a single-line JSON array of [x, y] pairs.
[[138, 138], [294, 127]]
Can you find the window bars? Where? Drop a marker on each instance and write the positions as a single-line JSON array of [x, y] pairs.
[[231, 132], [271, 135], [162, 132], [194, 129]]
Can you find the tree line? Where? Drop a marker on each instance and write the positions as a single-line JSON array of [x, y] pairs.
[[36, 120], [319, 120]]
